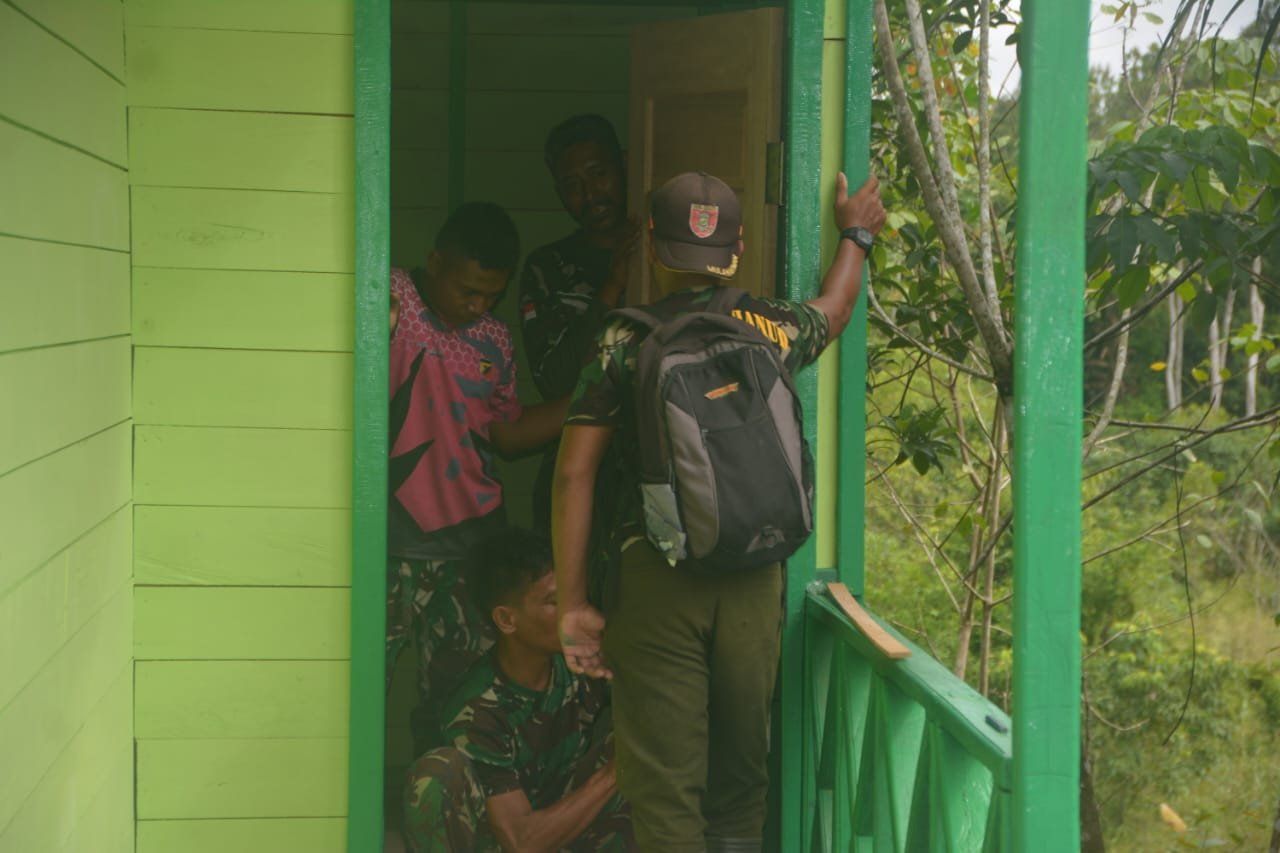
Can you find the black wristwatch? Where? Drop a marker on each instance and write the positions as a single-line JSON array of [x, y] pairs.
[[861, 237]]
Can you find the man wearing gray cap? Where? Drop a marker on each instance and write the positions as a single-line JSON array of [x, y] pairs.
[[692, 653]]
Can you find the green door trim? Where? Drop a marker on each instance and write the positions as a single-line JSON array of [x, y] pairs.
[[369, 425], [851, 439], [802, 253]]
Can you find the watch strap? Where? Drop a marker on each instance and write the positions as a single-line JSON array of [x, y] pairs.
[[861, 237]]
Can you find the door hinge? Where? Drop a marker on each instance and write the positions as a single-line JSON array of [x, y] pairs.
[[773, 170]]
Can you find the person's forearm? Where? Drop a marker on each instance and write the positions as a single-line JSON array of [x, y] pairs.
[[552, 828], [537, 425], [840, 286], [571, 508]]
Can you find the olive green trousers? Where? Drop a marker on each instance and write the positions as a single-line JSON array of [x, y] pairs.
[[694, 659]]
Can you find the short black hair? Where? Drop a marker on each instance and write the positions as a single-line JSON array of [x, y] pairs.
[[502, 566], [480, 231], [576, 130]]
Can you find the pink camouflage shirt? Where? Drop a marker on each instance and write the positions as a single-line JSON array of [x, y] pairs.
[[448, 385]]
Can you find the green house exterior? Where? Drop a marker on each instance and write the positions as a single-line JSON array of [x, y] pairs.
[[178, 324]]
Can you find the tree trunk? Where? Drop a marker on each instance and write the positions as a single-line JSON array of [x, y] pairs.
[[1255, 317], [1215, 366], [993, 522], [1219, 349], [1091, 838], [1173, 359]]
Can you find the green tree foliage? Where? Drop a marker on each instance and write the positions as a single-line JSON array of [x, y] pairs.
[[1182, 467]]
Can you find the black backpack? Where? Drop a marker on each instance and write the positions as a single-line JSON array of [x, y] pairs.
[[725, 472]]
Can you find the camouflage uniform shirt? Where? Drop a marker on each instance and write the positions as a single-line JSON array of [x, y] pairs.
[[604, 395], [559, 312], [522, 739]]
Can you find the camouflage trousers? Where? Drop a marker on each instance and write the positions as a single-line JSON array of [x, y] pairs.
[[427, 602], [445, 810]]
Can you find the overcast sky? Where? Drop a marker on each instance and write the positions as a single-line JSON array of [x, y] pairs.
[[1107, 38]]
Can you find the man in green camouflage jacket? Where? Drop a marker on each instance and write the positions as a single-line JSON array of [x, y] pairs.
[[531, 763], [693, 655]]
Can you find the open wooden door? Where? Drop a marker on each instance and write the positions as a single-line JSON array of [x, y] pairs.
[[706, 96]]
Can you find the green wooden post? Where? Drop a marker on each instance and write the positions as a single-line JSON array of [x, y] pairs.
[[369, 439], [803, 267], [1047, 424], [850, 542]]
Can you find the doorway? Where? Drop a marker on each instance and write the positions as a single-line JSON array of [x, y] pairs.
[[474, 89]]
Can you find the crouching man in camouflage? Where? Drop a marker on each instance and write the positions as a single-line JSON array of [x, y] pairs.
[[531, 766]]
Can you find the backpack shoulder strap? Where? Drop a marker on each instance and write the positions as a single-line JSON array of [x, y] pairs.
[[639, 316]]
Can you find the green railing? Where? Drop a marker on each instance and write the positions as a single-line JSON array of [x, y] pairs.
[[899, 754]]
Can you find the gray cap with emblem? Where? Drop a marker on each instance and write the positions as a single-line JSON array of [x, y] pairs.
[[696, 224]]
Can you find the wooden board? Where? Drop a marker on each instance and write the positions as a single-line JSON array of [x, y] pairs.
[[236, 546], [413, 231], [420, 178], [518, 180], [232, 70], [56, 396], [579, 19], [546, 63], [239, 623], [888, 644], [93, 27], [242, 388], [60, 598], [52, 502], [420, 119], [52, 192], [106, 821], [242, 778], [288, 16], [414, 16], [241, 699], [90, 299], [419, 61], [100, 755], [538, 227], [706, 96], [230, 150], [230, 229], [277, 835], [39, 723], [211, 308], [71, 99], [520, 121], [217, 466]]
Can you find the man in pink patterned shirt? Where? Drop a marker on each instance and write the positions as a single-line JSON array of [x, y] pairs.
[[453, 405]]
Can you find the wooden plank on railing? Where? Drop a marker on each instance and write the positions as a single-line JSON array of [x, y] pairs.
[[880, 638]]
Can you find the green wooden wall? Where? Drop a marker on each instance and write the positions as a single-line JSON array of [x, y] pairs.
[[240, 140], [66, 677]]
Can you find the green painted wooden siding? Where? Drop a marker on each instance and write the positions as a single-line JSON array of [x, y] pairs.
[[240, 138], [66, 611]]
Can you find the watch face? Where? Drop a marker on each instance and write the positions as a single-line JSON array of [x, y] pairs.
[[861, 237]]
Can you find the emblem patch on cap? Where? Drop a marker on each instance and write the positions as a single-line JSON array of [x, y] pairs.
[[702, 219]]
